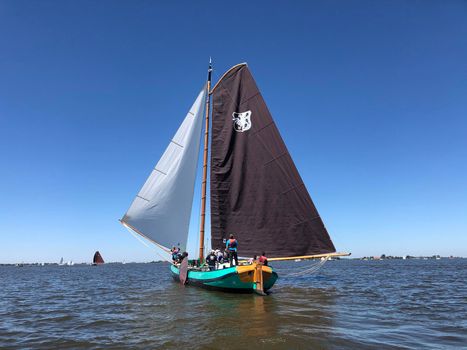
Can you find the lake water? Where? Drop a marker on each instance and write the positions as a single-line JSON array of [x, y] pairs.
[[349, 304]]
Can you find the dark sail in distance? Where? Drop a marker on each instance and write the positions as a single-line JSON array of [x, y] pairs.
[[97, 258], [256, 191]]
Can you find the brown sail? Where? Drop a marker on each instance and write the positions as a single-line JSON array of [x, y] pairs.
[[256, 191], [97, 258]]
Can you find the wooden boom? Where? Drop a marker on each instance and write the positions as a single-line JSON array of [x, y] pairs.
[[317, 256]]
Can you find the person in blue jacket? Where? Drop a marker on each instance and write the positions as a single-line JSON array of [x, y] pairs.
[[231, 247]]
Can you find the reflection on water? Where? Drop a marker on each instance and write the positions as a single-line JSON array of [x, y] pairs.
[[348, 305], [241, 315], [241, 320]]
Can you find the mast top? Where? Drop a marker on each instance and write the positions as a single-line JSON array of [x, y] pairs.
[[209, 69]]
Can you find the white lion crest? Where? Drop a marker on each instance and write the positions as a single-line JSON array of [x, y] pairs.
[[242, 121]]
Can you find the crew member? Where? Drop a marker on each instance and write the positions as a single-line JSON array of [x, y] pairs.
[[175, 253], [252, 260], [211, 260], [231, 246], [220, 256], [263, 260]]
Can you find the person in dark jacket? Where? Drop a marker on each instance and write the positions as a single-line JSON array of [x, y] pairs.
[[211, 260]]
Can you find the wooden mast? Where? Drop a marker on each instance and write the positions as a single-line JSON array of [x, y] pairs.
[[205, 166]]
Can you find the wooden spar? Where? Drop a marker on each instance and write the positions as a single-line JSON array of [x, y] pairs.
[[138, 232], [205, 167], [237, 65], [317, 256]]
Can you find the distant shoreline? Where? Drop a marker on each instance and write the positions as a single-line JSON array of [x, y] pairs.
[[41, 264], [373, 258]]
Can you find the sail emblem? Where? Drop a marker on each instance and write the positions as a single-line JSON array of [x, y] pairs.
[[242, 121]]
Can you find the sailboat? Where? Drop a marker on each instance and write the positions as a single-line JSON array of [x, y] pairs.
[[256, 192], [97, 259]]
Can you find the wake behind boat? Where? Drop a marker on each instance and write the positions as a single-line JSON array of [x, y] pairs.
[[256, 191]]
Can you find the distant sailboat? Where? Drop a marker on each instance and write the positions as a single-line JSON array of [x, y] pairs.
[[97, 259], [255, 189], [61, 263]]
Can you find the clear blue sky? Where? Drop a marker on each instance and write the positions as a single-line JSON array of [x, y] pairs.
[[370, 97]]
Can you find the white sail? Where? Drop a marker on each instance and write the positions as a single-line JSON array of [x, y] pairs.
[[161, 210]]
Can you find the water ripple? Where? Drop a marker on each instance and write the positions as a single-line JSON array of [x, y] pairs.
[[349, 305]]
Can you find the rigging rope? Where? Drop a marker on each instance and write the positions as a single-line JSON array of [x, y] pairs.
[[311, 270], [147, 245]]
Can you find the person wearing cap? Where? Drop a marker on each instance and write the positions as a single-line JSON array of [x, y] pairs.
[[211, 260], [231, 247]]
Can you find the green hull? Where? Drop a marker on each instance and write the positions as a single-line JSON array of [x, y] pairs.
[[225, 280]]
